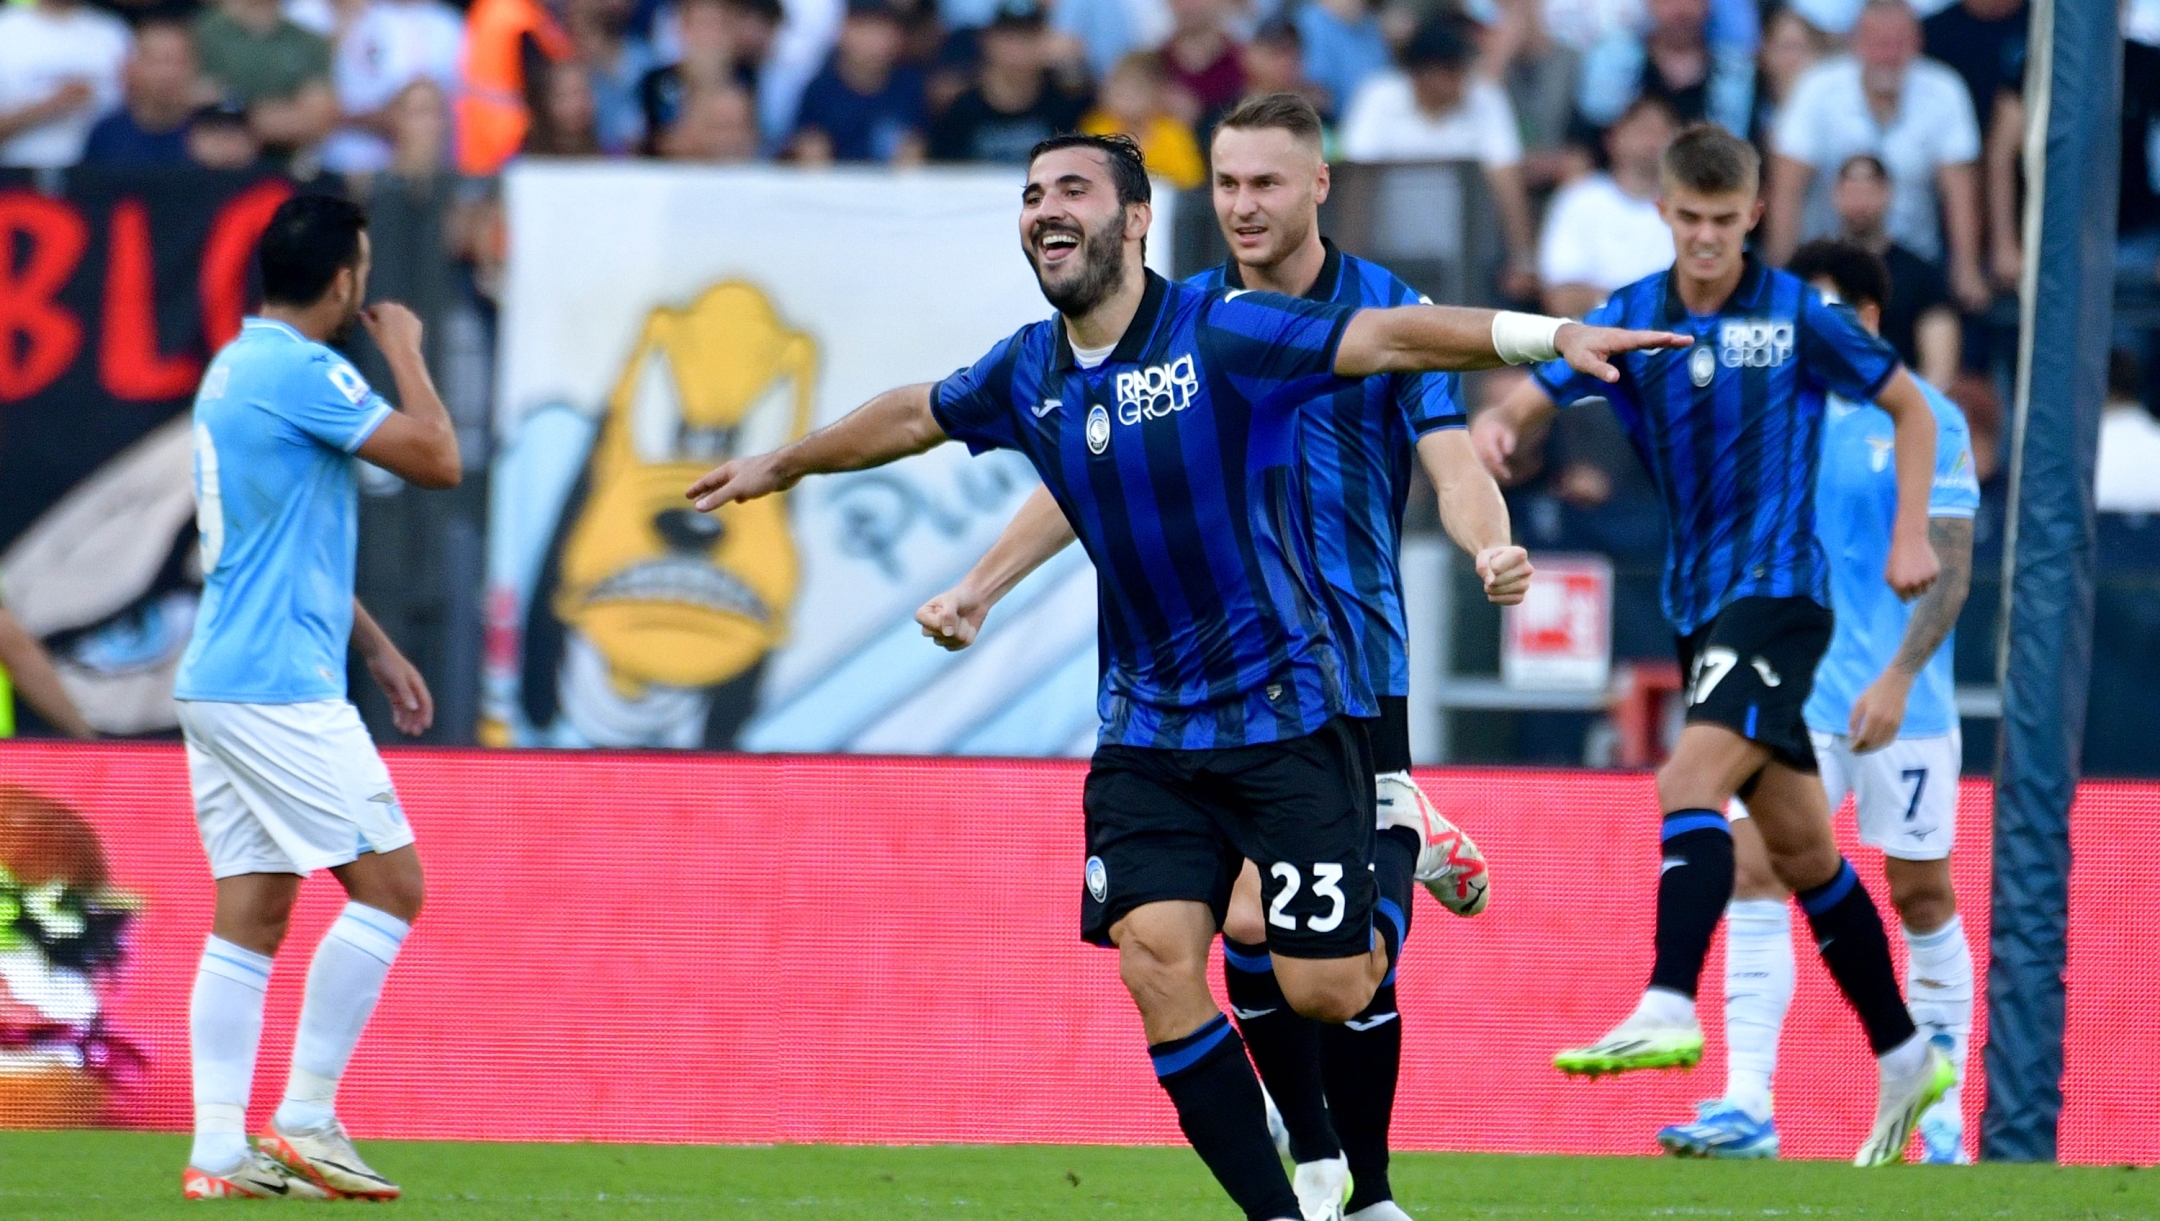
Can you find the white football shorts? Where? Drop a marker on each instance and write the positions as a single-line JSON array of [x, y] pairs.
[[288, 788], [1905, 794]]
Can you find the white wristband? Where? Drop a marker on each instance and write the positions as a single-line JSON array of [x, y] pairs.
[[1521, 339]]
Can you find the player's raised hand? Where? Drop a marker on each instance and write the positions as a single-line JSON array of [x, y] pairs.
[[412, 709], [1913, 565], [1590, 349], [738, 479], [393, 327], [1879, 712], [952, 618], [1506, 572]]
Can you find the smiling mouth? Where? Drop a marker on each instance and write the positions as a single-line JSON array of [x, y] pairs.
[[1056, 245]]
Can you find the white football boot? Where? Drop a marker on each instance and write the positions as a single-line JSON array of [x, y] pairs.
[[1449, 864], [1322, 1187]]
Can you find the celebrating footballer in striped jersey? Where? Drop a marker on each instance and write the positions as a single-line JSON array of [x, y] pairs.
[[1730, 431], [1334, 1084], [1884, 721], [1227, 701]]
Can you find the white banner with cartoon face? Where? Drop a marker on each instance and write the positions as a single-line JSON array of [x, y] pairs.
[[658, 319]]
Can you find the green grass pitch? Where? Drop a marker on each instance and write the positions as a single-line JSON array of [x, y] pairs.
[[131, 1175]]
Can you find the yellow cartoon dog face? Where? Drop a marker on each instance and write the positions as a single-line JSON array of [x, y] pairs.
[[666, 594]]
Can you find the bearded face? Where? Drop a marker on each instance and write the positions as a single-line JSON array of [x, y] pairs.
[[1078, 267]]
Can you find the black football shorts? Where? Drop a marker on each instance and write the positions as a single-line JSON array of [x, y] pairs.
[[1180, 824], [1752, 668]]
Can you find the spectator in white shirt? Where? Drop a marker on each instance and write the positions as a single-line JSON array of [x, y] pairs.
[[2128, 476], [1434, 109], [390, 45], [60, 64], [1912, 113], [1603, 230]]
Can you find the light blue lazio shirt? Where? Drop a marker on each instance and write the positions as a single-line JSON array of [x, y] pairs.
[[1855, 504], [277, 505]]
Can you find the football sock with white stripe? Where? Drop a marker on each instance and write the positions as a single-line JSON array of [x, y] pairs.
[[1285, 1047], [1939, 988], [1218, 1103], [1362, 1058], [344, 982], [225, 1022], [1849, 934], [1694, 884], [1759, 977]]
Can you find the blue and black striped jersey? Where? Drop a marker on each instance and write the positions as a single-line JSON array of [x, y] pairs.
[[1355, 461], [1731, 429], [1175, 462]]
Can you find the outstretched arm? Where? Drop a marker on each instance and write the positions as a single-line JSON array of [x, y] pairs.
[[1037, 532], [1880, 711], [1474, 513], [891, 426], [1424, 338], [1913, 566]]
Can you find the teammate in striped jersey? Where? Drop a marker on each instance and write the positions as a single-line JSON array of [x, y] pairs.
[[1885, 723], [1731, 432], [1164, 419], [1334, 1084]]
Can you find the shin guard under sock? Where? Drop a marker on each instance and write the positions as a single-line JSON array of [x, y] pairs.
[[1849, 935], [1694, 884], [1218, 1103], [1360, 1061], [1285, 1047]]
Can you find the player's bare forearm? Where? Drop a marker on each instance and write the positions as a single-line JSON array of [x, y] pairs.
[[894, 425], [412, 706], [1448, 338], [1935, 613], [1913, 566], [368, 638], [1474, 513], [419, 443], [31, 669], [1037, 532]]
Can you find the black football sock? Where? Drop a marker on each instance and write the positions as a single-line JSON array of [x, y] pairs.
[[1693, 888], [1285, 1047], [1361, 1059], [1217, 1097], [1849, 936]]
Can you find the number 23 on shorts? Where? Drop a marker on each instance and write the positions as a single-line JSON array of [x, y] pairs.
[[1326, 884]]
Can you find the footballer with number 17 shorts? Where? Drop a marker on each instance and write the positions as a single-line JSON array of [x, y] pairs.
[[1730, 431]]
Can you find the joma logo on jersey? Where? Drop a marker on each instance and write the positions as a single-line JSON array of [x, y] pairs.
[[1156, 391], [1755, 343]]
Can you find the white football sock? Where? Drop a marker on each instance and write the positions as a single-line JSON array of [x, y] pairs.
[[1759, 976], [225, 1021], [1664, 1007], [1906, 1059], [1939, 991], [343, 984]]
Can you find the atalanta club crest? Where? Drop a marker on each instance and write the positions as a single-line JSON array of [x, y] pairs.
[[1701, 366], [1098, 429], [1098, 878]]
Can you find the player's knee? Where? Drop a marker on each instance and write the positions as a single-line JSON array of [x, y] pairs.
[[1157, 973], [1244, 923], [1924, 899], [1333, 991], [1805, 866]]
